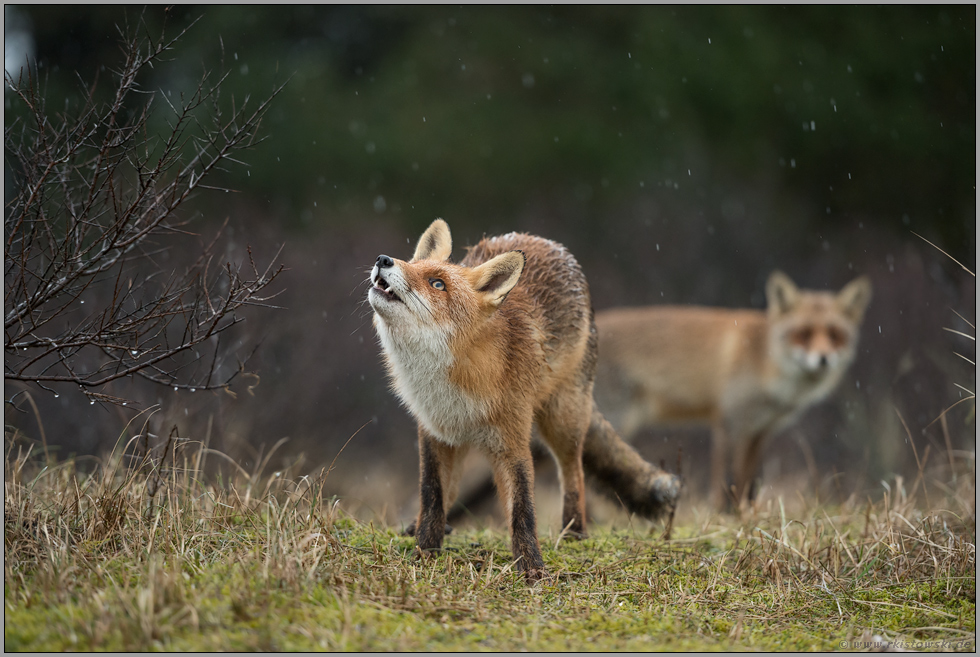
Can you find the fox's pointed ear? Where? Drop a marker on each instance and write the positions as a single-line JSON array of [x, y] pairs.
[[854, 298], [495, 278], [781, 294], [435, 244]]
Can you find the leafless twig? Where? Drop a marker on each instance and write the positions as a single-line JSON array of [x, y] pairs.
[[97, 202]]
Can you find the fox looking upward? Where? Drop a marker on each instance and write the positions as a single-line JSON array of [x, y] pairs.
[[747, 373], [480, 351]]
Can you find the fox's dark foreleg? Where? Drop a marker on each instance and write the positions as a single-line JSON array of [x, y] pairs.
[[440, 471], [514, 475]]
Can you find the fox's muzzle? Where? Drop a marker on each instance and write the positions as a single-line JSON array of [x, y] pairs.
[[379, 283]]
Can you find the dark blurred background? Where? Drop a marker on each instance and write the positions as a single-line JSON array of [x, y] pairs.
[[681, 153]]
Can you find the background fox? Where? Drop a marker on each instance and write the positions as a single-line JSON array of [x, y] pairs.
[[480, 351], [747, 373]]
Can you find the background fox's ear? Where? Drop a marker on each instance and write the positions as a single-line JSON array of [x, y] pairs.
[[495, 278], [435, 244], [781, 293], [854, 298]]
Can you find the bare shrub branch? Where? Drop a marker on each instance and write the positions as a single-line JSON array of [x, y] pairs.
[[98, 194]]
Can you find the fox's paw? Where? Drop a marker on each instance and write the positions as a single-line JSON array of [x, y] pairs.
[[532, 565], [534, 573], [410, 530], [537, 575], [574, 529]]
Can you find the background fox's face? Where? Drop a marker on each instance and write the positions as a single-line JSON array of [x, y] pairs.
[[431, 296], [815, 332]]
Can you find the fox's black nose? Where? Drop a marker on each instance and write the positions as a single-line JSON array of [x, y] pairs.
[[823, 360], [384, 261]]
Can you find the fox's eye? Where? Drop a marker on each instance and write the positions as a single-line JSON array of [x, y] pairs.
[[802, 336], [836, 336], [437, 283]]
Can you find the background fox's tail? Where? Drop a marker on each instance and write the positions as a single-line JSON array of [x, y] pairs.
[[617, 470]]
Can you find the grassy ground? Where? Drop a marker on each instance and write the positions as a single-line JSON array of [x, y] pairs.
[[150, 557]]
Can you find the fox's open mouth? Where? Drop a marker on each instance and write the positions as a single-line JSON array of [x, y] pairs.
[[383, 287]]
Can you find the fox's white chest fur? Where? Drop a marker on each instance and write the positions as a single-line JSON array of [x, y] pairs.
[[419, 363]]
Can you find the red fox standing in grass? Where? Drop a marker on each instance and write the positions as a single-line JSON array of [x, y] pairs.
[[480, 351], [747, 373]]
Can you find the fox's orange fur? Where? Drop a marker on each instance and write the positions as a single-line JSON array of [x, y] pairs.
[[747, 373], [480, 351]]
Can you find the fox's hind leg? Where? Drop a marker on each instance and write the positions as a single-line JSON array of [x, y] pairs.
[[747, 462], [441, 467], [563, 422], [722, 493]]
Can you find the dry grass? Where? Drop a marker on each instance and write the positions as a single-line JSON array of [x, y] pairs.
[[144, 553]]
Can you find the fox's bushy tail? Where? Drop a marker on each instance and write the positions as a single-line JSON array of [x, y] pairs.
[[617, 470]]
